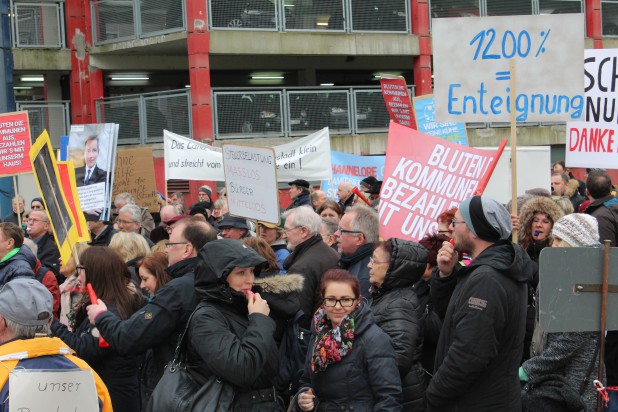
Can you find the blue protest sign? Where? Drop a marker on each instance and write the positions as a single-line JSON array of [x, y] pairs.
[[425, 113], [352, 168]]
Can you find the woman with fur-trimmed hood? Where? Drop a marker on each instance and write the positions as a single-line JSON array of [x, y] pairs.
[[536, 220]]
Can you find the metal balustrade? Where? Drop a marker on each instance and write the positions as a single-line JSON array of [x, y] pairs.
[[51, 116], [119, 20], [38, 24]]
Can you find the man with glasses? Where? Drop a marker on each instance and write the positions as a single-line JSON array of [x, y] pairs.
[[310, 256], [481, 343], [38, 230], [357, 235], [158, 325], [130, 220]]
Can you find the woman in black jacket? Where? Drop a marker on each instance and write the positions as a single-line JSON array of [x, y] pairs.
[[110, 278], [231, 335], [351, 363], [395, 266]]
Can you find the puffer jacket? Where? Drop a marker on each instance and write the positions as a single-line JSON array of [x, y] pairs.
[[224, 340], [481, 343], [396, 310], [367, 379], [18, 266]]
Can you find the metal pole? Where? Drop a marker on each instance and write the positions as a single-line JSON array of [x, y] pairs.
[[604, 291]]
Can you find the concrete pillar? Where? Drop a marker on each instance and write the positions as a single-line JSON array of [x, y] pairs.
[[422, 62], [594, 26]]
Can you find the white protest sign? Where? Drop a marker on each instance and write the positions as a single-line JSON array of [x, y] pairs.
[[472, 56], [251, 182], [71, 390], [306, 158], [594, 143], [188, 159]]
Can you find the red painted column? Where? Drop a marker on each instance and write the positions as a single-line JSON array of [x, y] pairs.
[[594, 26], [86, 82], [422, 62], [198, 41]]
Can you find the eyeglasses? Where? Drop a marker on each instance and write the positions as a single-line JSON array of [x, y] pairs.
[[286, 230], [170, 244], [342, 231], [344, 302], [31, 219], [442, 232], [80, 267], [455, 221], [374, 262], [124, 222]]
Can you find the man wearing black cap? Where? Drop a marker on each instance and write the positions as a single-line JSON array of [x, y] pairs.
[[299, 192], [481, 343], [233, 227], [101, 232]]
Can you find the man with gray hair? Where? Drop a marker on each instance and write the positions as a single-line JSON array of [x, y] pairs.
[[130, 220], [480, 347], [147, 223], [357, 235], [345, 195], [310, 256], [25, 318]]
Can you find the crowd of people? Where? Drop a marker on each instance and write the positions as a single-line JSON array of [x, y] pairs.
[[316, 312]]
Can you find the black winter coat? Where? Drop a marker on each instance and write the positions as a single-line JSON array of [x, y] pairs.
[[19, 266], [367, 379], [481, 343], [224, 340], [396, 310], [119, 373], [157, 325], [356, 264], [48, 253], [104, 237]]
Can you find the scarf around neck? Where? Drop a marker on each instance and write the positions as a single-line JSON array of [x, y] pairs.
[[331, 344]]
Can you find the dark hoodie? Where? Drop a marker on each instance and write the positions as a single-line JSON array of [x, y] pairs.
[[481, 344], [224, 339], [396, 310]]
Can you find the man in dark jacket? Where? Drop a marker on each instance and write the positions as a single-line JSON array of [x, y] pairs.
[[16, 259], [357, 236], [38, 230], [310, 256], [299, 192], [101, 232], [159, 324], [18, 205], [481, 342], [604, 207]]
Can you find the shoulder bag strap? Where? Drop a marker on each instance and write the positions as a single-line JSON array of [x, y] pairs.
[[584, 383], [180, 352]]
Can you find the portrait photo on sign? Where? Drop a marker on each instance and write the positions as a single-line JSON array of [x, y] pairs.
[[92, 149]]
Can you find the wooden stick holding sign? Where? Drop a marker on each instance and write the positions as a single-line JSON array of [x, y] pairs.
[[17, 196], [513, 85]]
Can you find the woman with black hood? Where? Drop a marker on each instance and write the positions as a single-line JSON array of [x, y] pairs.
[[395, 266], [230, 334]]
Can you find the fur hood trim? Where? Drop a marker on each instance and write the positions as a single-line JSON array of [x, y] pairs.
[[572, 189], [537, 204], [280, 284]]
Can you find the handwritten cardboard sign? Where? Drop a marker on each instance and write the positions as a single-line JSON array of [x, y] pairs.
[[397, 99], [425, 176], [14, 144], [472, 71], [251, 182], [135, 174], [59, 390]]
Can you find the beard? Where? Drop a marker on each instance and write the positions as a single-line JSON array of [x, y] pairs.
[[464, 245]]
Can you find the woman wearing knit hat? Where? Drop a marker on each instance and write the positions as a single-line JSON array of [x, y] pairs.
[[569, 354]]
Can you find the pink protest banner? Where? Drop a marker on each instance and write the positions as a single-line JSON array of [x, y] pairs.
[[14, 144], [424, 176], [397, 99]]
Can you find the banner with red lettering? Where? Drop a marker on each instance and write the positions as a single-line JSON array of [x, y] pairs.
[[397, 99], [425, 176], [14, 144]]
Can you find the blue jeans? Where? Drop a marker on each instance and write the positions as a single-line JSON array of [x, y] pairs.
[[613, 402]]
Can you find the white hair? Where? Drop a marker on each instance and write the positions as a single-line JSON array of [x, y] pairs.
[[134, 210], [304, 216]]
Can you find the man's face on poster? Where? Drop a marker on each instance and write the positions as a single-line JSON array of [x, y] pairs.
[[91, 153]]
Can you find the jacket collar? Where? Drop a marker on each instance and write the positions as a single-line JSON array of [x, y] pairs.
[[183, 267]]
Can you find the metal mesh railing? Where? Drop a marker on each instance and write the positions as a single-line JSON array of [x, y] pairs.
[[304, 15], [118, 20], [38, 25], [51, 116], [609, 17], [142, 118], [248, 114]]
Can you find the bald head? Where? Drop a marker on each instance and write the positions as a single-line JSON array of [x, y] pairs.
[[344, 191], [168, 212]]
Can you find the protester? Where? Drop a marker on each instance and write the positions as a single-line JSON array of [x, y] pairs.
[[563, 186], [241, 348], [177, 197], [70, 292], [351, 364], [330, 210], [366, 183], [38, 230], [327, 231], [345, 195], [374, 194], [564, 203], [480, 347], [560, 167], [444, 222], [571, 355], [299, 193], [37, 204], [129, 220], [146, 220], [233, 227], [101, 232], [310, 256], [131, 247], [25, 316], [536, 219], [318, 197], [16, 259], [159, 324], [395, 266], [262, 248], [357, 235], [104, 269], [220, 209], [45, 275], [273, 235], [18, 204], [152, 273]]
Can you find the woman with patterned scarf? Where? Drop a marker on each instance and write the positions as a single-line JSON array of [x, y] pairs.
[[351, 362]]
